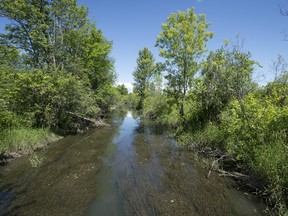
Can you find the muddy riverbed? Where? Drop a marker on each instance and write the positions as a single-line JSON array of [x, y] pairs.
[[128, 168]]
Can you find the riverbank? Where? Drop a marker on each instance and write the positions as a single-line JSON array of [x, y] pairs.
[[22, 141], [17, 142], [210, 146]]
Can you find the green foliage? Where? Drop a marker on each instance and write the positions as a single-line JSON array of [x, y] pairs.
[[23, 140], [54, 61], [277, 91], [28, 32], [259, 140], [58, 35], [98, 63], [47, 97], [122, 96], [122, 89], [9, 119], [146, 72], [262, 124], [154, 106], [182, 43], [9, 55], [106, 98], [132, 101], [226, 75], [210, 136]]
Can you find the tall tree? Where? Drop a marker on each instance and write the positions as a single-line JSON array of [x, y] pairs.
[[145, 70], [68, 26], [182, 43]]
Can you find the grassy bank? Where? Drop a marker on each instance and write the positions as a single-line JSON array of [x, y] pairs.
[[261, 168], [16, 142]]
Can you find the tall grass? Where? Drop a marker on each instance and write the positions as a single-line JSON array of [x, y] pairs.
[[24, 140]]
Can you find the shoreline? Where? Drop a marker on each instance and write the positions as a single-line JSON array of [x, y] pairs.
[[18, 150], [10, 155], [225, 165]]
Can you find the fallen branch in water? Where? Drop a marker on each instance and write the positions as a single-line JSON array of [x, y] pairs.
[[81, 117], [244, 180], [96, 123], [233, 174], [213, 164], [222, 172], [99, 123], [248, 182]]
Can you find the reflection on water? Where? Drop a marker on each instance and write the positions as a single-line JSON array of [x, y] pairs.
[[130, 168], [149, 176], [116, 162]]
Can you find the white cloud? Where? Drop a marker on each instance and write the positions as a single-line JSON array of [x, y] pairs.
[[128, 85]]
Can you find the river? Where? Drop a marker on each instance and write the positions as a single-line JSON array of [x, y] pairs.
[[128, 168]]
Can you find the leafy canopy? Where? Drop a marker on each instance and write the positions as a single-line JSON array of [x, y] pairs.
[[182, 43]]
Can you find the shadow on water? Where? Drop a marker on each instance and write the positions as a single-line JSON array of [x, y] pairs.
[[130, 168]]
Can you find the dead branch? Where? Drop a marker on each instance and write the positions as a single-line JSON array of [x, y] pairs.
[[81, 117], [213, 164]]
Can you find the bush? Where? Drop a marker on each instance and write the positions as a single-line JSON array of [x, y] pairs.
[[44, 99], [258, 136], [154, 106]]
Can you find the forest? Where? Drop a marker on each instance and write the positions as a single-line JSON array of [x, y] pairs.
[[56, 70]]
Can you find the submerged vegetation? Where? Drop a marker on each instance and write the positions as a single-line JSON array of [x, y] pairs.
[[212, 103]]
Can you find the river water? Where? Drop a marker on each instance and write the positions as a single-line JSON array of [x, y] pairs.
[[128, 168]]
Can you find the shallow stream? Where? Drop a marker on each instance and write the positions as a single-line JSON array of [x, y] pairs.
[[128, 168]]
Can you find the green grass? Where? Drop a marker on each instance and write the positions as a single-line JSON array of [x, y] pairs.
[[24, 140], [210, 136], [265, 159]]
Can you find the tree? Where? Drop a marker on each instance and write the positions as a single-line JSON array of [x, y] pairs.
[[182, 43], [227, 74], [143, 74], [214, 94], [9, 55], [122, 89], [57, 35], [64, 60], [96, 58]]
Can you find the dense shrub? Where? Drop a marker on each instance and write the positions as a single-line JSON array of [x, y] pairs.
[[258, 138]]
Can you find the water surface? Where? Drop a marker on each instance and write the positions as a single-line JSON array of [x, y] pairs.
[[129, 168]]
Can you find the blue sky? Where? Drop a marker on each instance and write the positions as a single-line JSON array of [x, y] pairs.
[[132, 25]]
